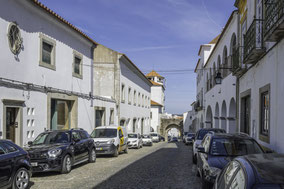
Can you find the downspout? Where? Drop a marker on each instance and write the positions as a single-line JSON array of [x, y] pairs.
[[238, 79], [92, 73]]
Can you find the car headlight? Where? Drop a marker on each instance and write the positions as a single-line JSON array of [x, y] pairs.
[[54, 152], [111, 141], [214, 171]]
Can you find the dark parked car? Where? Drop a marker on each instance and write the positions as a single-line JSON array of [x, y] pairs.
[[60, 150], [257, 171], [15, 167], [199, 137], [216, 150]]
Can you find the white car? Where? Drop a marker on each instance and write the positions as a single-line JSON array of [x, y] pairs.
[[189, 138], [110, 140], [155, 137], [135, 141], [147, 140]]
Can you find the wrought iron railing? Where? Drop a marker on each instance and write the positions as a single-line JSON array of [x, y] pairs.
[[236, 59], [253, 39], [274, 11]]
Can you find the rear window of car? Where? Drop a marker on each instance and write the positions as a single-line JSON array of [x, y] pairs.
[[8, 148], [154, 134], [234, 147], [132, 135], [202, 133], [84, 134]]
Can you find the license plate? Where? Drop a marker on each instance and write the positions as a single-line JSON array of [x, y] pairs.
[[34, 164], [99, 148]]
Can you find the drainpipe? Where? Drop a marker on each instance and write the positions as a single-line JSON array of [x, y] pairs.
[[92, 73], [238, 80]]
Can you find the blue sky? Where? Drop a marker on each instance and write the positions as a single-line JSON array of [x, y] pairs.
[[155, 34]]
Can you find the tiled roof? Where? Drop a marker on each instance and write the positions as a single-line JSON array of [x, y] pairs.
[[214, 41], [52, 13], [153, 103], [154, 74]]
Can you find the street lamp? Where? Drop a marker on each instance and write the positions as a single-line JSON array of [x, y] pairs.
[[218, 78]]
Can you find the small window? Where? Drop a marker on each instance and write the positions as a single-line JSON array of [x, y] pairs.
[[264, 113], [129, 96], [111, 117], [47, 52], [122, 93], [84, 135], [14, 38], [8, 148], [75, 135], [134, 98], [142, 101], [78, 65], [120, 133], [139, 100]]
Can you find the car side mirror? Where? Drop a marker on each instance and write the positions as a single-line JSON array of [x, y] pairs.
[[30, 143], [201, 149]]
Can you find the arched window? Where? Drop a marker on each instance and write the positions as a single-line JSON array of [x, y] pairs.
[[225, 62], [219, 65], [233, 52], [214, 74]]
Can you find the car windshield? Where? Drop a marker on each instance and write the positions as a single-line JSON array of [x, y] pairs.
[[190, 134], [202, 133], [234, 147], [146, 136], [153, 134], [132, 135], [52, 138], [104, 133]]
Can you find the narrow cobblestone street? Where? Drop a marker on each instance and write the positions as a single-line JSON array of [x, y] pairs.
[[165, 165]]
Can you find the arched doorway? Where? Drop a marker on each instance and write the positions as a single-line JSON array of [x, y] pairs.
[[232, 116], [173, 126], [224, 116], [209, 117], [216, 118]]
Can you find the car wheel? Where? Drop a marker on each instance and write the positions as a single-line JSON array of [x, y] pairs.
[[204, 183], [21, 179], [141, 146], [115, 152], [66, 165], [92, 156], [193, 158], [126, 150]]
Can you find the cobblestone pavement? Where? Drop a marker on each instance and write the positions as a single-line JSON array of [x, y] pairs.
[[164, 165]]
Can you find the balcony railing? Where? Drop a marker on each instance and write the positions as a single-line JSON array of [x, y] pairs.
[[274, 20], [253, 42]]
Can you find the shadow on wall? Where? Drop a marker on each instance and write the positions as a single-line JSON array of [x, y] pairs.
[[162, 169]]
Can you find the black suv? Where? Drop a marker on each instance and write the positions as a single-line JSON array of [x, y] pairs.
[[60, 150], [15, 167], [217, 149]]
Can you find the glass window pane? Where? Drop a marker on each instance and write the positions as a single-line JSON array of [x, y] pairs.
[[77, 65], [46, 52]]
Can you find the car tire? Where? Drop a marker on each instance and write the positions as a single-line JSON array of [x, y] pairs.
[[66, 164], [193, 158], [197, 173], [22, 176], [205, 184], [115, 152], [126, 150], [92, 156]]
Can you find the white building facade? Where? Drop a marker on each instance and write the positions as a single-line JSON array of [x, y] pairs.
[[45, 75], [157, 99], [116, 77], [216, 103], [260, 72]]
